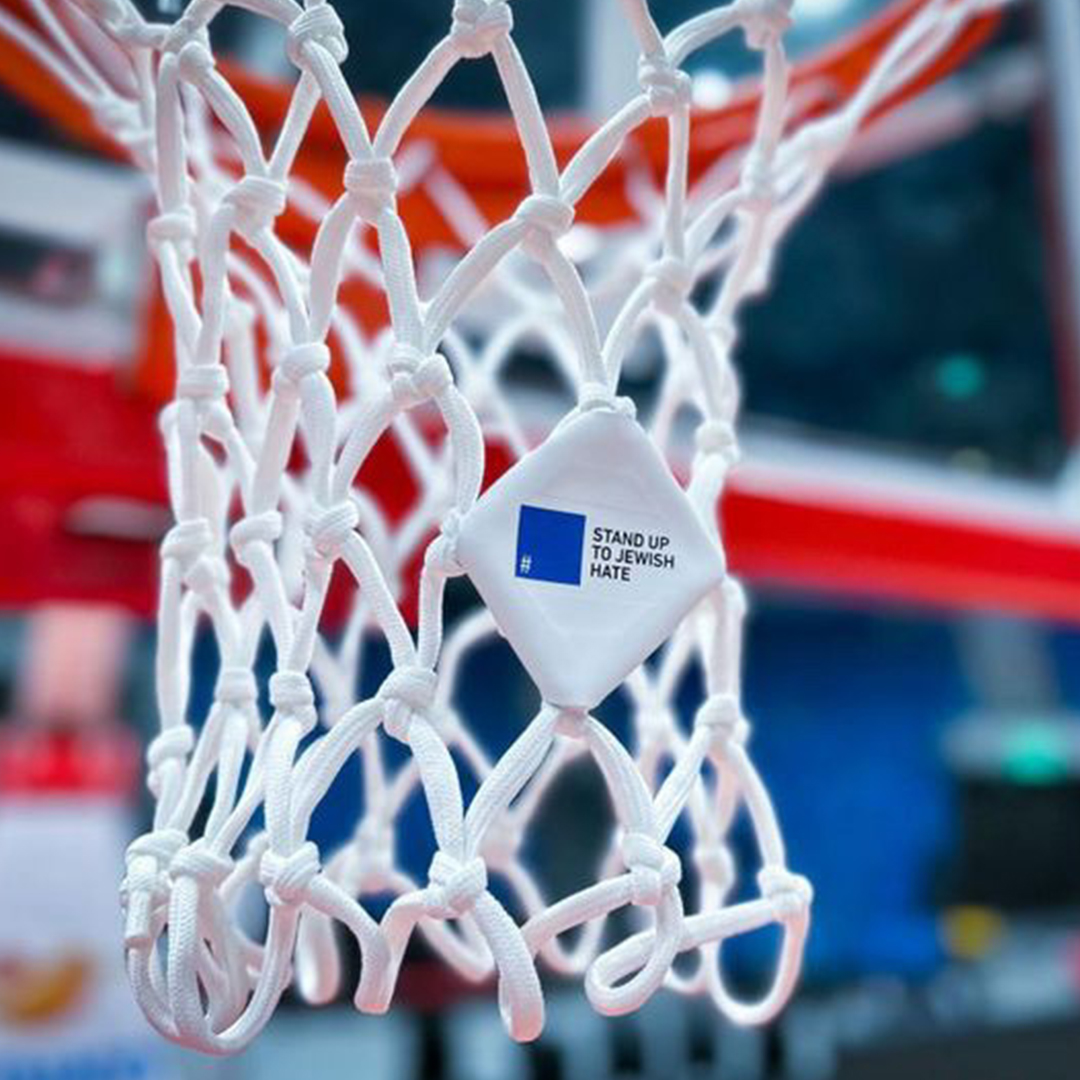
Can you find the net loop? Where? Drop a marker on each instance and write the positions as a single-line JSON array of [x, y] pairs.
[[454, 887], [120, 24], [258, 201], [318, 25], [286, 879], [717, 437], [765, 21], [667, 86], [598, 395], [672, 281], [291, 694], [175, 227], [441, 554], [654, 868], [171, 744], [791, 893], [199, 862], [501, 843], [478, 26], [759, 191], [236, 686], [161, 845], [372, 185], [408, 690], [715, 864], [187, 29], [202, 383], [146, 884], [329, 529], [722, 717], [253, 530], [300, 362]]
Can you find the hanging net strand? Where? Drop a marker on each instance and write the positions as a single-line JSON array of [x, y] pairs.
[[263, 485]]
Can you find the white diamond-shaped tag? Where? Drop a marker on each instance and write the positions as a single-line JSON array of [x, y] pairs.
[[588, 555]]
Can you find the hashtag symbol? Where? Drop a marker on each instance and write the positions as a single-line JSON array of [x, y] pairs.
[[525, 566]]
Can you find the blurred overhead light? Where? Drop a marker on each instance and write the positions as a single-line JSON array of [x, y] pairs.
[[818, 9], [711, 89]]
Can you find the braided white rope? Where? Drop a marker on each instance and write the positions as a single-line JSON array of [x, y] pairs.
[[229, 444]]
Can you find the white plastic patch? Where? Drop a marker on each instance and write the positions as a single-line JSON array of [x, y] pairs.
[[588, 554]]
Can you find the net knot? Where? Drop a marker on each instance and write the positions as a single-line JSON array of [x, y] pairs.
[[202, 864], [791, 893], [328, 529], [317, 25], [441, 554], [478, 26], [207, 574], [597, 395], [714, 863], [454, 887], [372, 185], [202, 382], [291, 694], [412, 383], [257, 200], [407, 691], [196, 61], [264, 528], [236, 686], [547, 218], [183, 32], [721, 716], [373, 850], [159, 844], [286, 878], [501, 842], [300, 362], [172, 744], [667, 86], [146, 882], [173, 227], [759, 194], [654, 722], [135, 31], [717, 437], [653, 868], [764, 20], [823, 140], [672, 281], [187, 541]]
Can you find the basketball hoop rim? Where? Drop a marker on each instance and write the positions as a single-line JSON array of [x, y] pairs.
[[481, 147]]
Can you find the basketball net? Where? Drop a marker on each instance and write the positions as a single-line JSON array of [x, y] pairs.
[[262, 480]]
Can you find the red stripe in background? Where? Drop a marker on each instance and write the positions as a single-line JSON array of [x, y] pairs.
[[67, 434]]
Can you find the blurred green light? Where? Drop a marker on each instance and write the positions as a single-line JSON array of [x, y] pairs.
[[960, 376], [1036, 754]]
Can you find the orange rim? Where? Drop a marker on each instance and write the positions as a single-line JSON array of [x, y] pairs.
[[481, 151]]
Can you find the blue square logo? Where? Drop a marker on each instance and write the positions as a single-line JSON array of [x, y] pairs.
[[550, 544]]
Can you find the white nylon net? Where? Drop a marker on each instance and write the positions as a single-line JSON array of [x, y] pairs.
[[248, 504]]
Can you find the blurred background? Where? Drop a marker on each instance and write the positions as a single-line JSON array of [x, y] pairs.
[[906, 518]]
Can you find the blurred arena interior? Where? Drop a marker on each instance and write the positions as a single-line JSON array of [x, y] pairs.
[[906, 518]]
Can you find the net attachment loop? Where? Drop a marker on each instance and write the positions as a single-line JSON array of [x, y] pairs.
[[479, 25], [318, 25]]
